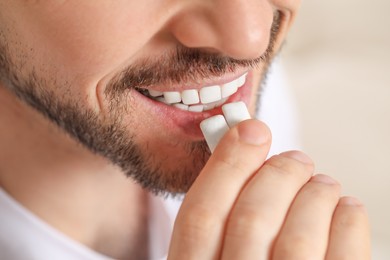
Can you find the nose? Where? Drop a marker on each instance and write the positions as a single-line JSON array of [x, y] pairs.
[[237, 28]]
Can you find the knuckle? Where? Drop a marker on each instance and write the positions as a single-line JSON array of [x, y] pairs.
[[297, 247], [249, 225], [232, 162], [198, 221], [245, 221]]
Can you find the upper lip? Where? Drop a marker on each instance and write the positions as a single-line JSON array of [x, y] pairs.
[[226, 78]]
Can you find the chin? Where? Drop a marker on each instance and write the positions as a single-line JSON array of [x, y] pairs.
[[167, 169]]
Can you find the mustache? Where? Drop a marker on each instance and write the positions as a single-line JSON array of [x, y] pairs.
[[190, 65]]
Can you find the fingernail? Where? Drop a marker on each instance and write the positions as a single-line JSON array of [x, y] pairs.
[[254, 132], [299, 156], [323, 179]]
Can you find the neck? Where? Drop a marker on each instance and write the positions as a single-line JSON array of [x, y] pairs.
[[77, 192]]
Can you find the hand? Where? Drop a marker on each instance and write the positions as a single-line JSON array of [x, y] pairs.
[[244, 207]]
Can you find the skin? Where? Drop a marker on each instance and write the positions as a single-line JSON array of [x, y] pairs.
[[241, 206]]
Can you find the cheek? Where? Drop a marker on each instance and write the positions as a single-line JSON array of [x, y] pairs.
[[84, 39], [100, 35], [76, 43]]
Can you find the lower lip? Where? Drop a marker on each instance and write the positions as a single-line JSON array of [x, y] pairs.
[[186, 123]]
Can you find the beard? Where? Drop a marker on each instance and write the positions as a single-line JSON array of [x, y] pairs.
[[107, 135]]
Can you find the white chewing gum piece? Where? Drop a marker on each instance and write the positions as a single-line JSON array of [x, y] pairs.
[[213, 129], [235, 113]]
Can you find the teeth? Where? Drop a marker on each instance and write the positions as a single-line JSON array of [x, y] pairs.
[[215, 104], [209, 106], [221, 102], [241, 80], [162, 100], [210, 94], [190, 97], [196, 108], [181, 106], [228, 89], [197, 101], [155, 93], [172, 97]]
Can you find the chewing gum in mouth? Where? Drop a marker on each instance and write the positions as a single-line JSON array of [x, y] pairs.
[[215, 127]]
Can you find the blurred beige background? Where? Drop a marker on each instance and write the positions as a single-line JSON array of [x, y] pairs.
[[337, 59]]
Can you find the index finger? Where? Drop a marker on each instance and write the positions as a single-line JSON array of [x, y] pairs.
[[199, 226]]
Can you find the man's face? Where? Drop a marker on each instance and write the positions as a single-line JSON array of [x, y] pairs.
[[88, 66]]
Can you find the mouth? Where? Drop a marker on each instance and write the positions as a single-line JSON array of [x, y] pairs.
[[197, 100], [180, 110]]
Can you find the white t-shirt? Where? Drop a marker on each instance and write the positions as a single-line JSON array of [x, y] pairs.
[[25, 236]]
